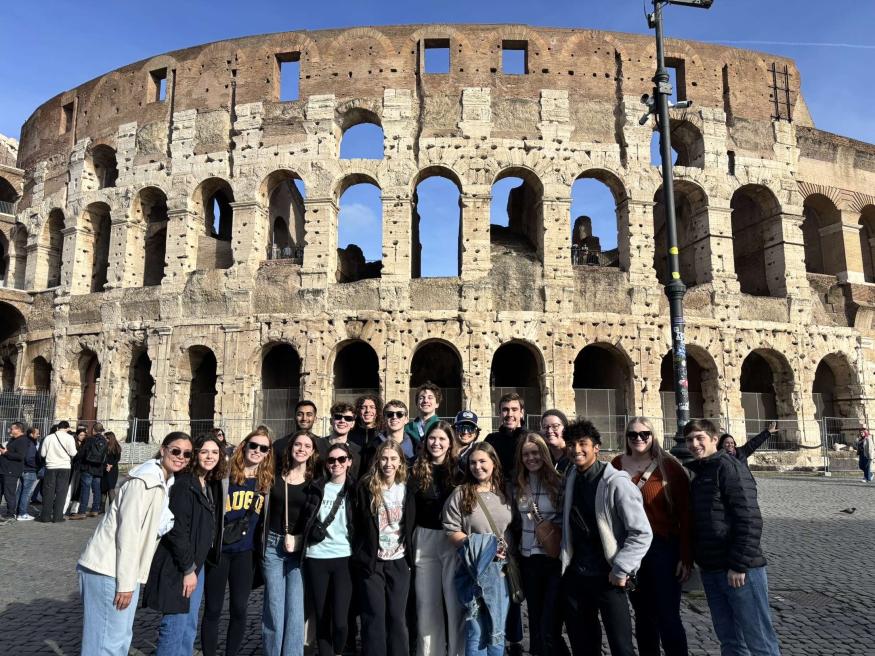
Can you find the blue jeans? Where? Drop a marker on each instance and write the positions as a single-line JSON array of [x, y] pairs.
[[484, 635], [105, 630], [741, 616], [92, 483], [177, 631], [282, 617], [866, 466], [25, 489]]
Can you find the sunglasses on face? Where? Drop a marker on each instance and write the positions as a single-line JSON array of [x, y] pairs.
[[338, 459], [347, 418], [175, 451], [466, 429], [397, 414], [255, 446], [635, 436]]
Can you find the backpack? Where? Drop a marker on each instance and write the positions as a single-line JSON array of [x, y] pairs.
[[95, 450]]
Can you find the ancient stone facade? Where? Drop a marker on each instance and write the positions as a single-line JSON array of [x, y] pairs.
[[155, 284]]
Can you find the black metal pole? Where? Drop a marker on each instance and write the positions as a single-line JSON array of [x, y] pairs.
[[674, 288]]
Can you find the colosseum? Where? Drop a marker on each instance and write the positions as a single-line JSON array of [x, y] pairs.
[[171, 252]]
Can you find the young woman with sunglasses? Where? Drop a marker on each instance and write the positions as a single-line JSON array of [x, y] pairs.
[[231, 562], [327, 549], [433, 479], [176, 579], [342, 422], [383, 552], [665, 488], [117, 558], [282, 621], [537, 489]]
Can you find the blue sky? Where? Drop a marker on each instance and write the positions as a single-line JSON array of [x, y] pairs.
[[52, 45]]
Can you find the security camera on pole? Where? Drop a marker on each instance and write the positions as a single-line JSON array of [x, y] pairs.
[[675, 289]]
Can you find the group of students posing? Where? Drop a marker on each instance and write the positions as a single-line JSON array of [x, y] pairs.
[[430, 537]]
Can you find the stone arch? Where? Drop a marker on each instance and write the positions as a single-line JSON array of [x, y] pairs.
[[203, 377], [366, 33], [94, 232], [766, 383], [835, 387], [440, 362], [17, 269], [524, 231], [280, 389], [51, 247], [12, 322], [360, 124], [88, 365], [756, 217], [459, 43], [102, 163], [446, 224], [212, 204], [518, 366], [355, 368], [352, 262], [149, 210], [40, 374], [703, 384], [282, 192], [687, 142], [691, 209], [822, 235], [867, 241], [8, 196], [592, 245], [602, 383], [141, 395]]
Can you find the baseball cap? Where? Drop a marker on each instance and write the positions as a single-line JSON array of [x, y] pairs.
[[466, 417]]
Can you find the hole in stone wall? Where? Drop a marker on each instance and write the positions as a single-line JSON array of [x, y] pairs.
[[437, 224], [362, 135], [516, 213], [66, 118], [360, 233], [158, 85], [289, 72], [514, 57], [593, 224], [822, 235], [202, 390], [41, 372], [356, 371], [286, 211], [104, 165], [437, 56], [52, 240], [142, 389]]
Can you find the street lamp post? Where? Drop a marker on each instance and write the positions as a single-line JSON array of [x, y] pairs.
[[674, 288]]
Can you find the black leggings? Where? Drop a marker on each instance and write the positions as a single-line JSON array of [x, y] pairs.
[[235, 570], [330, 584]]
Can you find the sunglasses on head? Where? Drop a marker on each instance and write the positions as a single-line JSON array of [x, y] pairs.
[[175, 451], [394, 414], [337, 459], [635, 435], [347, 418], [255, 446]]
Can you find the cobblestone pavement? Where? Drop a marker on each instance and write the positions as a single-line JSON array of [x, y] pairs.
[[820, 574]]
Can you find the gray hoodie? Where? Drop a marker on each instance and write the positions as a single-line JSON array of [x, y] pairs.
[[623, 525]]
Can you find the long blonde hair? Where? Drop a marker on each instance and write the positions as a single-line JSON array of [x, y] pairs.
[[375, 477], [265, 472], [548, 475], [659, 455]]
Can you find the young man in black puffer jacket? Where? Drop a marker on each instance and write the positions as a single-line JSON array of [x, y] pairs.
[[727, 526]]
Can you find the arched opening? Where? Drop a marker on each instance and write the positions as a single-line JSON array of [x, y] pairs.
[[437, 225], [595, 219], [822, 235], [359, 230], [11, 321], [867, 242], [286, 193], [766, 394], [152, 205], [703, 386], [356, 371], [517, 368], [142, 389], [202, 391], [4, 258], [8, 196], [41, 374], [516, 223], [95, 236], [18, 256], [601, 385], [213, 204], [838, 405], [280, 387], [105, 166], [361, 135], [823, 391], [7, 374], [687, 145], [691, 209], [52, 243], [754, 210], [89, 384], [440, 363]]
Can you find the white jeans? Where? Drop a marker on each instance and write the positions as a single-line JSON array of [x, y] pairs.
[[436, 563]]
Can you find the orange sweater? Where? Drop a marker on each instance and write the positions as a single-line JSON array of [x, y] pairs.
[[668, 521]]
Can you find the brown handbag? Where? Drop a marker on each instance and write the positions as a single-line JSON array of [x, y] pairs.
[[549, 535]]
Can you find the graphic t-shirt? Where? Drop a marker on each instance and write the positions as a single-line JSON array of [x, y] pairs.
[[389, 523], [336, 544], [240, 498]]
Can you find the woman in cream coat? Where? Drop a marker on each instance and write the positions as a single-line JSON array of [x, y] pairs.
[[116, 559]]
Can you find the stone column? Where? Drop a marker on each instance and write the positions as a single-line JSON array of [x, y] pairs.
[[320, 239], [126, 254], [249, 241], [475, 250], [397, 212], [637, 245], [850, 267], [76, 271], [182, 243]]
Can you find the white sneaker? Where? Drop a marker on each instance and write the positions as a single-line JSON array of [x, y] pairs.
[[25, 518]]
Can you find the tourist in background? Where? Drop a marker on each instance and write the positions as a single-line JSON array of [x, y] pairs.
[[382, 554], [428, 398], [727, 527], [110, 477], [282, 622], [327, 549], [117, 558], [93, 461], [58, 450], [433, 478], [176, 579], [553, 425], [536, 497], [227, 448], [665, 488], [12, 465], [230, 562], [865, 451], [368, 409], [470, 514], [72, 504], [605, 535], [745, 451], [467, 432], [28, 480]]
